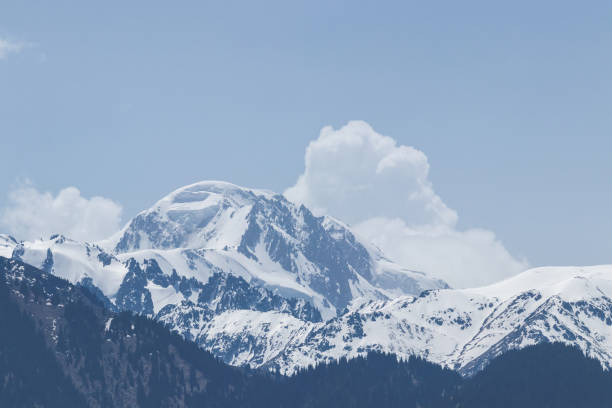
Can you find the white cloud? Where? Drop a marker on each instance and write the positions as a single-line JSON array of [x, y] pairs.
[[463, 258], [7, 47], [383, 190], [357, 174], [32, 214]]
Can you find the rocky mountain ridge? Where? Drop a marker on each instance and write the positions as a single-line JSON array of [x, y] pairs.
[[261, 282]]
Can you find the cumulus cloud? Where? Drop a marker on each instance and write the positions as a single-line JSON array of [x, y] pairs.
[[7, 47], [383, 190], [356, 173], [32, 214]]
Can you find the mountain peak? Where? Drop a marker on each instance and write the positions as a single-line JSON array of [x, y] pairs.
[[260, 236], [203, 191], [207, 214]]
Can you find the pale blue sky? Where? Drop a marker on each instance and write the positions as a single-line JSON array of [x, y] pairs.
[[512, 103]]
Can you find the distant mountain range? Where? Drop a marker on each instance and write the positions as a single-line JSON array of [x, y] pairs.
[[259, 281], [61, 346]]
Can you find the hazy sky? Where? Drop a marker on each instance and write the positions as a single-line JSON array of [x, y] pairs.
[[511, 103]]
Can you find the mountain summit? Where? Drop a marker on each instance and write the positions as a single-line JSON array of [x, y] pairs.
[[217, 227]]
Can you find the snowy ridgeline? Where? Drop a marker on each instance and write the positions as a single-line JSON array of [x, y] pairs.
[[260, 281]]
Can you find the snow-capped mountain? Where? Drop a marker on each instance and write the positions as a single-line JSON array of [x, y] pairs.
[[260, 281], [461, 329], [265, 239], [168, 253]]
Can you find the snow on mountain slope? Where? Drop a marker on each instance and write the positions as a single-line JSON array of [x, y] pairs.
[[209, 215], [7, 245], [261, 281], [461, 329], [266, 240], [217, 227], [73, 261]]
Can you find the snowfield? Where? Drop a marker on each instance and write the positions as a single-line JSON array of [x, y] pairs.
[[260, 281]]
